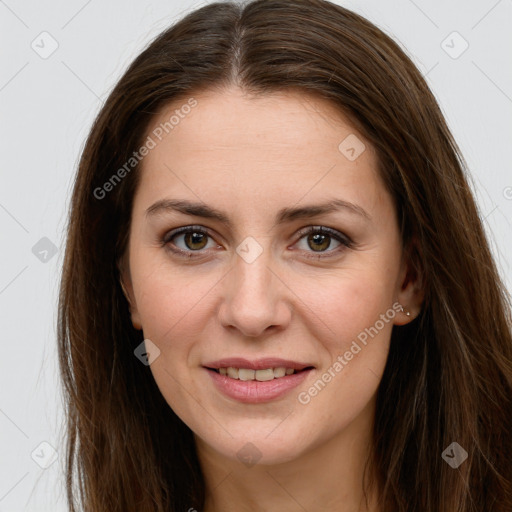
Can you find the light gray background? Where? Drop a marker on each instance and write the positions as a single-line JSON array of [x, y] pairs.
[[47, 107]]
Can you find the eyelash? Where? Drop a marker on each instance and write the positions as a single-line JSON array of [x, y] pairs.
[[345, 241]]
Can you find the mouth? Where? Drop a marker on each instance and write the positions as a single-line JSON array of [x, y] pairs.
[[257, 381], [264, 375], [262, 370]]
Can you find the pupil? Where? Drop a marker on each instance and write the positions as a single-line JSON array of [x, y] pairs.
[[317, 240], [195, 239]]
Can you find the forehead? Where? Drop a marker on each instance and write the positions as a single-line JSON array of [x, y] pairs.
[[233, 119], [231, 144]]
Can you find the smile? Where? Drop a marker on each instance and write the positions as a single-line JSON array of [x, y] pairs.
[[256, 381], [259, 375]]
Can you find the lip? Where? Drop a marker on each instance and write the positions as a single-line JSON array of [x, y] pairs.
[[260, 364], [253, 391]]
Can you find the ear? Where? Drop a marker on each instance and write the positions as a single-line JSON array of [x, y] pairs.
[[410, 285], [127, 287]]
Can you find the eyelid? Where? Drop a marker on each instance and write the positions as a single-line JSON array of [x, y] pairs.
[[325, 230], [185, 229]]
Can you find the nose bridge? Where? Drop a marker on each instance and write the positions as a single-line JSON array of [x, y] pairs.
[[254, 257], [253, 302]]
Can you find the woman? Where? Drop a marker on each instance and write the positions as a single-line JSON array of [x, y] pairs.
[[211, 360]]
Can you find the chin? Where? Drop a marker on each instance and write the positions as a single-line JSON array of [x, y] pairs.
[[259, 448]]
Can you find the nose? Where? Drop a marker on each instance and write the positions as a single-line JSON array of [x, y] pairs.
[[256, 299]]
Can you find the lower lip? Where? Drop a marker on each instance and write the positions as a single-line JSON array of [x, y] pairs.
[[253, 391]]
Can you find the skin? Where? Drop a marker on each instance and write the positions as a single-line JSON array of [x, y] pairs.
[[250, 157]]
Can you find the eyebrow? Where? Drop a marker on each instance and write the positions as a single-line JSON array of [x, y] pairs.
[[284, 215]]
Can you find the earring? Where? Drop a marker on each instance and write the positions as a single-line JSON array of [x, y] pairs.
[[408, 313]]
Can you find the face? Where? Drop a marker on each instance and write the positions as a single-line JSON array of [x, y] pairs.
[[257, 273]]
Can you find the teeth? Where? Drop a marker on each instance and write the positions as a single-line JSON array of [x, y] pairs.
[[244, 374], [281, 372], [259, 375], [233, 373]]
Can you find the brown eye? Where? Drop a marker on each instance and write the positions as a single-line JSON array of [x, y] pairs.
[[194, 240], [318, 241], [186, 240]]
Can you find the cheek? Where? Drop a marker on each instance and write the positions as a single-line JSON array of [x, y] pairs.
[[355, 341], [169, 300], [355, 359], [347, 303]]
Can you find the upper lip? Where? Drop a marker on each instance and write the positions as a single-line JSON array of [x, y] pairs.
[[259, 364]]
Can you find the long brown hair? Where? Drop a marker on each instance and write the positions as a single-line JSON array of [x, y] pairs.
[[448, 376]]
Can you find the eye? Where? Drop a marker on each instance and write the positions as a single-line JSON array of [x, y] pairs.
[[194, 239], [320, 239]]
